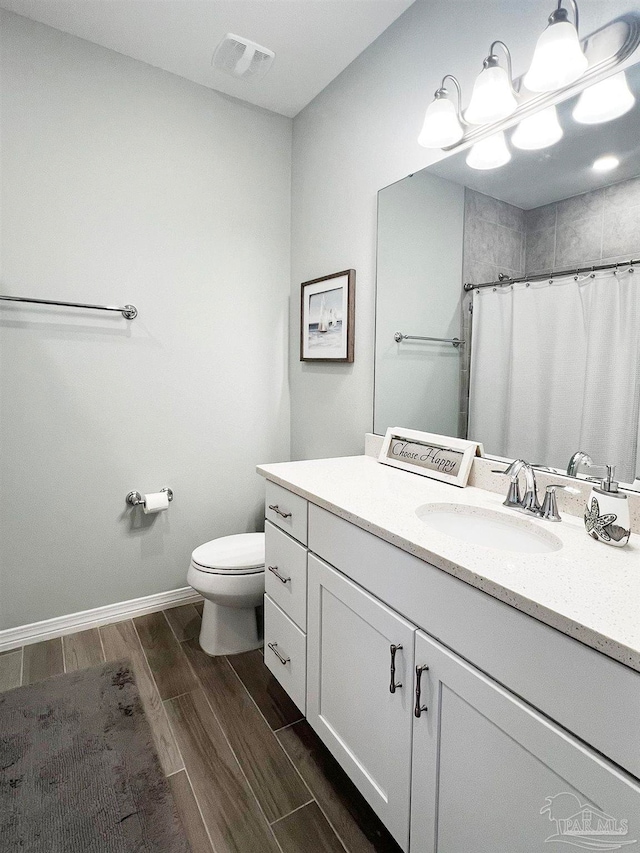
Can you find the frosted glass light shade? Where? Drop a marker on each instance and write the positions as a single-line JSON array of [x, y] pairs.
[[558, 59], [492, 98], [489, 153], [538, 131], [441, 125], [604, 101]]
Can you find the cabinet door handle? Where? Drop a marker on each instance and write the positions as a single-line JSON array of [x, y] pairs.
[[419, 708], [393, 686], [277, 509], [274, 649], [281, 578]]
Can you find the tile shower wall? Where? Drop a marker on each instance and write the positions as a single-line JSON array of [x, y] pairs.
[[493, 238], [494, 244], [600, 226]]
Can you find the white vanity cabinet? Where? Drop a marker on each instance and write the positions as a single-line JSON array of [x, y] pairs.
[[359, 689], [490, 773], [515, 723]]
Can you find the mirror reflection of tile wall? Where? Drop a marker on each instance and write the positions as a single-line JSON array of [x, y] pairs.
[[494, 244], [598, 227], [602, 226]]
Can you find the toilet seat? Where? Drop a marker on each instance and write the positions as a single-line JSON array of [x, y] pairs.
[[241, 554]]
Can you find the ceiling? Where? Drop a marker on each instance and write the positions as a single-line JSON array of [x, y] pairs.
[[314, 40]]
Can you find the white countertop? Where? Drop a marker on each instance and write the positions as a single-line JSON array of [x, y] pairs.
[[588, 590]]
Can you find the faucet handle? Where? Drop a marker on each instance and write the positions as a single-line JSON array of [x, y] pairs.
[[514, 497], [549, 509]]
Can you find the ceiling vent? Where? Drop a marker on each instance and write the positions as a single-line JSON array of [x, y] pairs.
[[242, 58]]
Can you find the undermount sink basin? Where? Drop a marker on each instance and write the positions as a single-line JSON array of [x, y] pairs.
[[491, 529]]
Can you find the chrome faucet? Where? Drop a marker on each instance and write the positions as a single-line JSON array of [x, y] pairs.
[[528, 502], [579, 458]]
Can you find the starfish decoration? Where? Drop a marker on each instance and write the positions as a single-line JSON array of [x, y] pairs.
[[596, 523]]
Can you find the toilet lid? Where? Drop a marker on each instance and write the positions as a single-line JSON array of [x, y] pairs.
[[242, 552]]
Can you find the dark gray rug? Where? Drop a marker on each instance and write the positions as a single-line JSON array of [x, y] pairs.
[[78, 769]]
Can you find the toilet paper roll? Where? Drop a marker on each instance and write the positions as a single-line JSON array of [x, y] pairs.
[[155, 502]]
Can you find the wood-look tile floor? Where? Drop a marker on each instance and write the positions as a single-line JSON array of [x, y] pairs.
[[247, 772]]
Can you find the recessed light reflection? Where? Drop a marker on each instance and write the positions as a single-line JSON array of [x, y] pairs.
[[606, 164]]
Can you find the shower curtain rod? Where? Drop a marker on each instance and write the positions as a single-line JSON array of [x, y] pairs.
[[503, 282], [129, 312]]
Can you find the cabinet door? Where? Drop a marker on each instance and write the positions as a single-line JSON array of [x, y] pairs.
[[349, 698], [490, 773]]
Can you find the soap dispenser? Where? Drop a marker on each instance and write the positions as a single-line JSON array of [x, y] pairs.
[[606, 517]]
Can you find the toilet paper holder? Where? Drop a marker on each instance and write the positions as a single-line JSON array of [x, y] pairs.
[[136, 499]]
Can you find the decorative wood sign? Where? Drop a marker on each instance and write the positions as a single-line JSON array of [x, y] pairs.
[[437, 456]]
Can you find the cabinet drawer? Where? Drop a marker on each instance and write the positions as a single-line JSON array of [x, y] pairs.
[[285, 577], [287, 511], [285, 652]]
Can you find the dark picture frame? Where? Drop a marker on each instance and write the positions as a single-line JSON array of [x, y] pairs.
[[327, 318]]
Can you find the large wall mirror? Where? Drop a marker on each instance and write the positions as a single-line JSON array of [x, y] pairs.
[[540, 355]]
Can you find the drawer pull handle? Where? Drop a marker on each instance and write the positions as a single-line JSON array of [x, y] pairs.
[[281, 578], [274, 649], [393, 686], [419, 708], [277, 509]]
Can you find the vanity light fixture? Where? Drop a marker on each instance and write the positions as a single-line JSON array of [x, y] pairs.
[[604, 101], [606, 163], [537, 131], [443, 120], [560, 68], [489, 153], [493, 97], [558, 59]]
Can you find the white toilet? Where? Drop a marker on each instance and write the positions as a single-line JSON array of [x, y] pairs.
[[229, 574]]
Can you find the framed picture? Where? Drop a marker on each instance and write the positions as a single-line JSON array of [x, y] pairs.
[[327, 309], [440, 457]]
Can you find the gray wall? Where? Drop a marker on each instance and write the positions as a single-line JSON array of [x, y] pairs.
[[122, 183], [359, 135]]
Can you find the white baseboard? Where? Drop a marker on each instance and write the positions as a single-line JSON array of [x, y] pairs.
[[24, 635]]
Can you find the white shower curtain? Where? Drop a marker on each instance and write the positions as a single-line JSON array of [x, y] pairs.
[[555, 368]]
